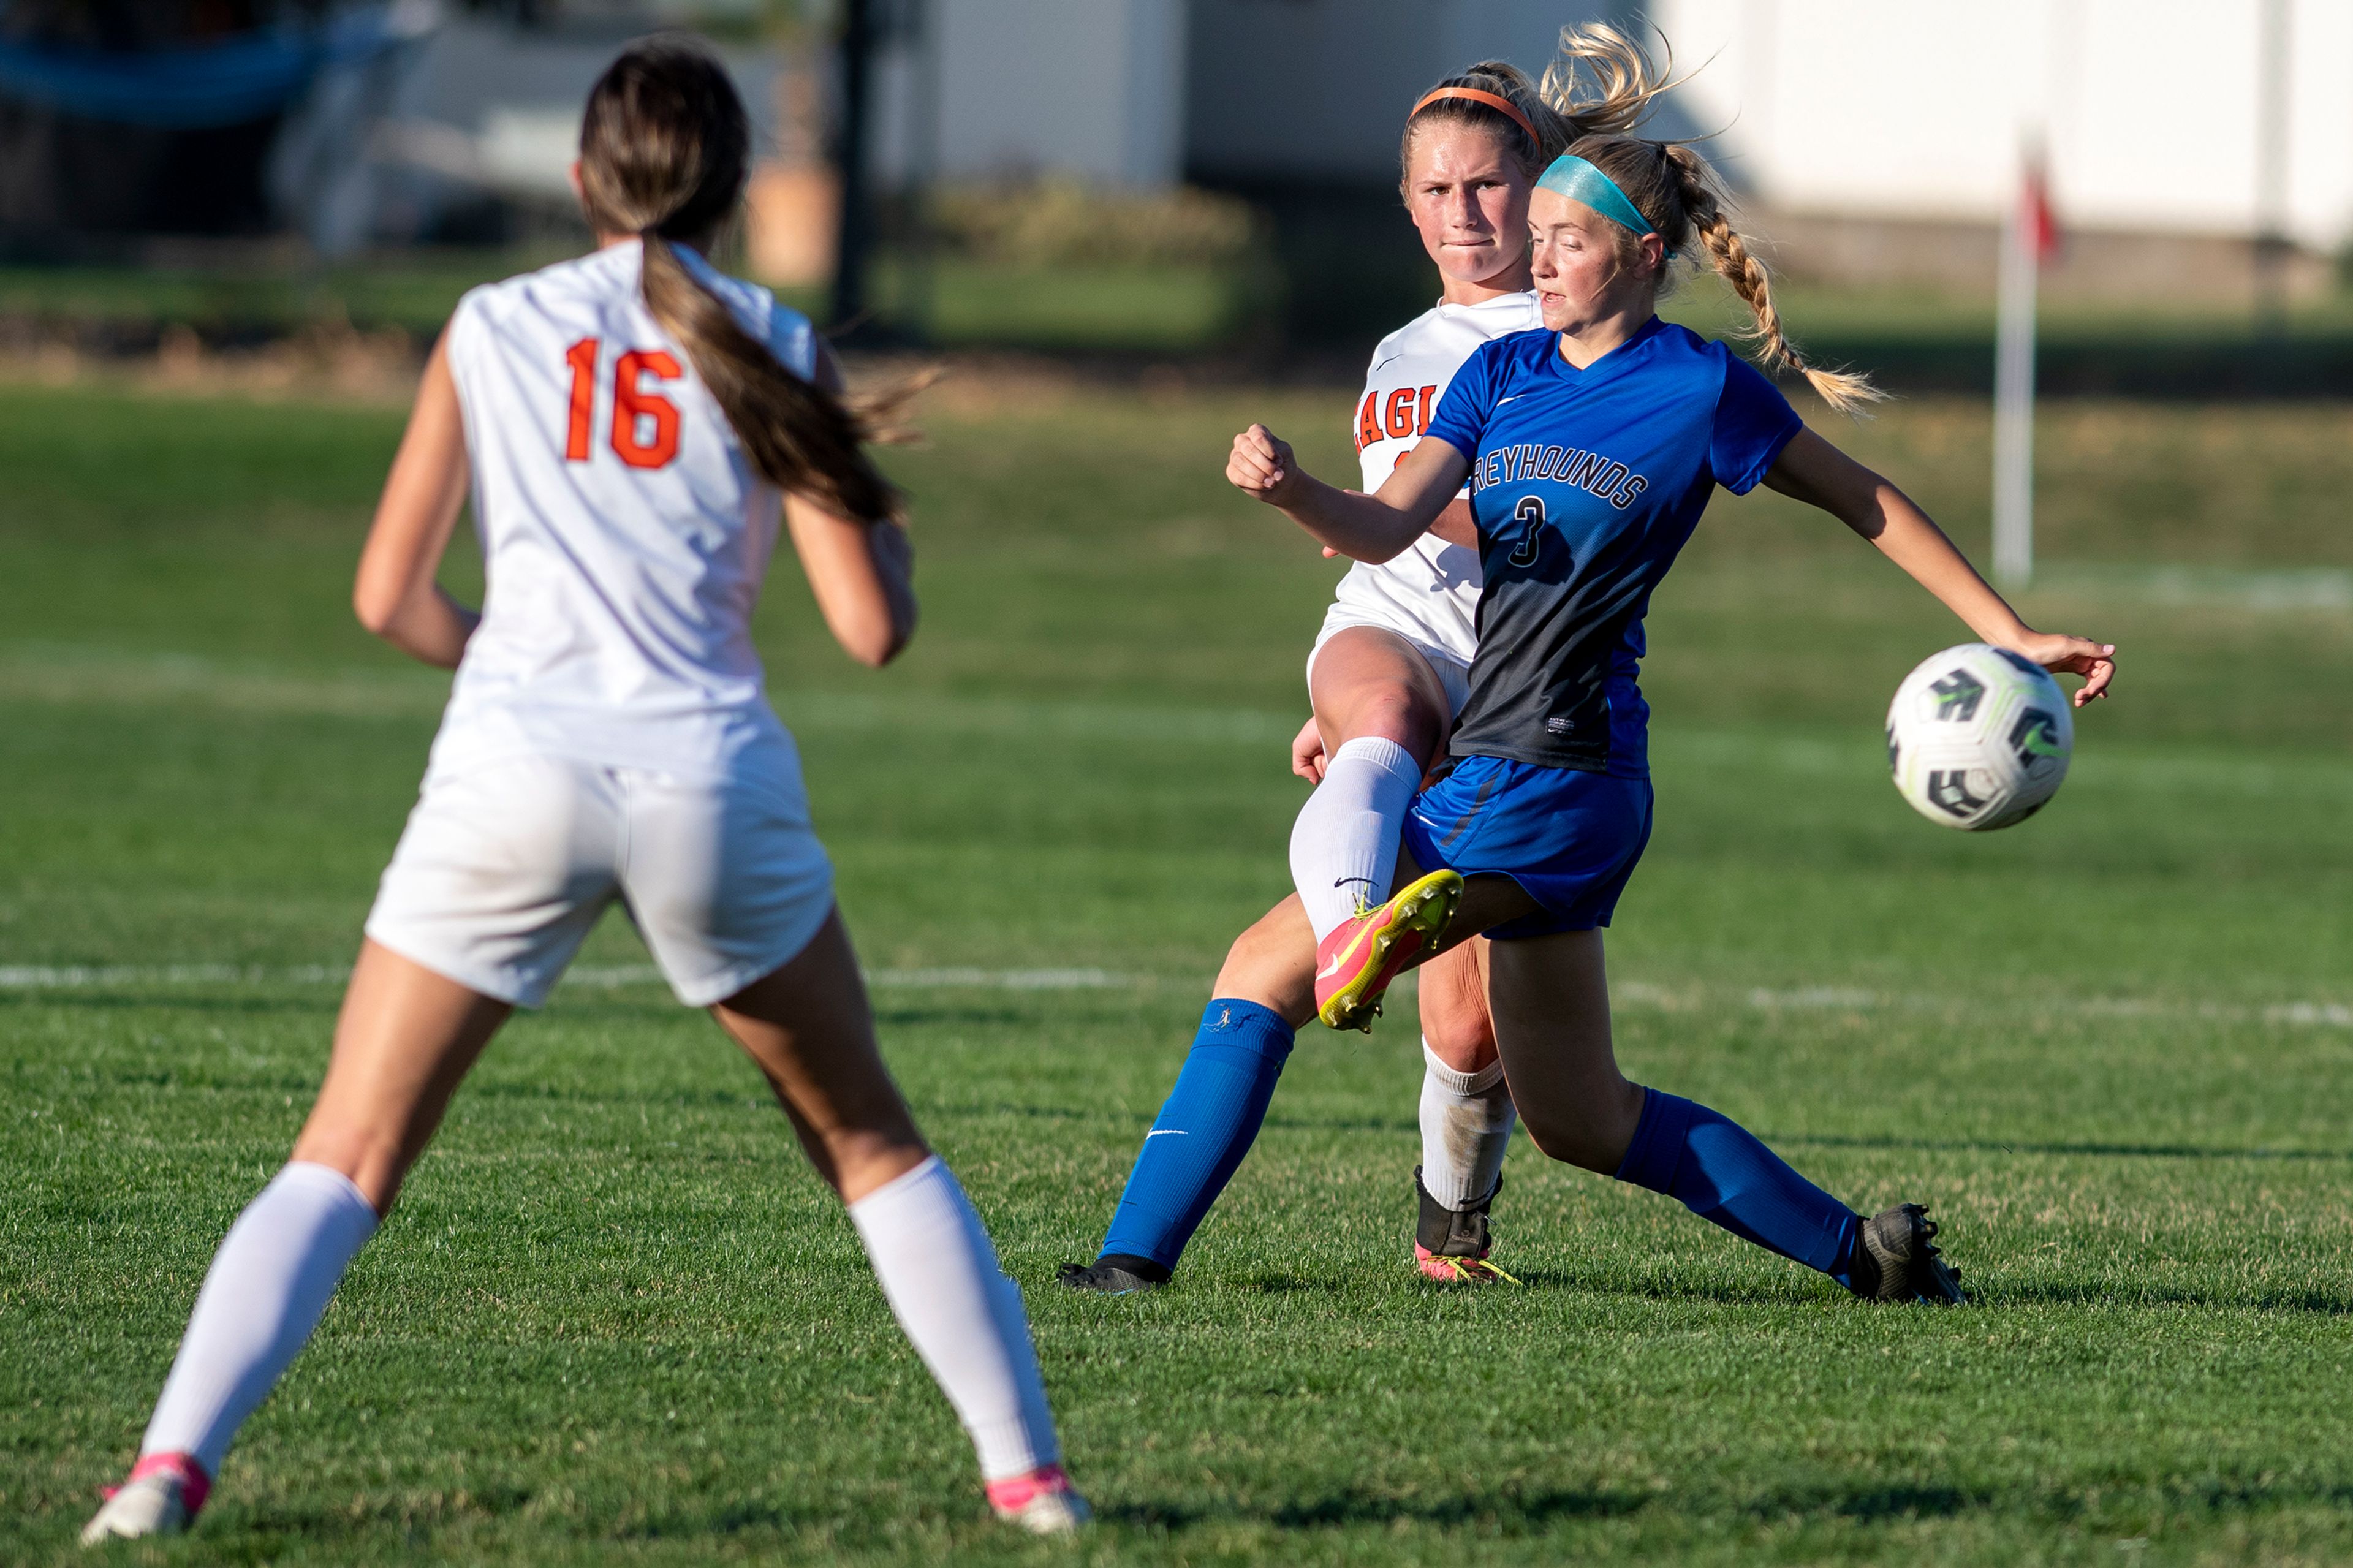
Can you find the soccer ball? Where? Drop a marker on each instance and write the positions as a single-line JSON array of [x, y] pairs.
[[1978, 737]]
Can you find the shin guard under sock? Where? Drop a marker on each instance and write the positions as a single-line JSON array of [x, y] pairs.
[[1207, 1126], [1466, 1126], [940, 1273], [268, 1284], [1344, 848]]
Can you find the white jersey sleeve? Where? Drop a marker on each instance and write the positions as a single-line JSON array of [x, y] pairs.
[[625, 534], [1430, 593]]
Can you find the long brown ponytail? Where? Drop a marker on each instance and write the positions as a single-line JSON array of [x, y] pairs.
[[1687, 204], [665, 147]]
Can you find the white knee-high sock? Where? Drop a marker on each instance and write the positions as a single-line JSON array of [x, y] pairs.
[[940, 1274], [269, 1283], [1344, 848], [1466, 1125]]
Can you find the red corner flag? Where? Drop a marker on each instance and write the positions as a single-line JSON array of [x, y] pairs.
[[2037, 226]]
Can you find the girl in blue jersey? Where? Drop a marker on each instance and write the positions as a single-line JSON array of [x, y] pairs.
[[1592, 448], [1387, 676]]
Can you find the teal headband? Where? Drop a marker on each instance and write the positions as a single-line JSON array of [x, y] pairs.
[[1579, 181]]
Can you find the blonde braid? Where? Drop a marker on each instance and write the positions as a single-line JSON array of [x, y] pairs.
[[1845, 391]]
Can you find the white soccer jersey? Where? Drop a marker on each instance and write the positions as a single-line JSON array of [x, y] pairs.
[[1430, 593], [623, 531]]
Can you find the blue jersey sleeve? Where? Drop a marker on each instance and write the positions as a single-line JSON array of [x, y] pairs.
[[1752, 423], [1462, 413]]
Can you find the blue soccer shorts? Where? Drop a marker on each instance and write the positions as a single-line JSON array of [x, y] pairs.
[[1570, 838]]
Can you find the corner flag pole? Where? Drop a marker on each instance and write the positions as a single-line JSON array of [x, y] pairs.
[[2028, 235]]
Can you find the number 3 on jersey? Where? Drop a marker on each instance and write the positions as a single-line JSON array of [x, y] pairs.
[[1530, 515], [633, 405]]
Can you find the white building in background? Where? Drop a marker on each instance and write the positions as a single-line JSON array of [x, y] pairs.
[[1147, 92], [1092, 88], [2152, 113], [1318, 89]]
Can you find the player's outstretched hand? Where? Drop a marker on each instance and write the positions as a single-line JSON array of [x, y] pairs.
[[2063, 654], [1261, 465], [1307, 751]]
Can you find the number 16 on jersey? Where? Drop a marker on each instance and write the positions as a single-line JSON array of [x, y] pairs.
[[645, 423]]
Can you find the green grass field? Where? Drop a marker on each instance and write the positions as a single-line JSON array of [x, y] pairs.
[[615, 1320], [1337, 296]]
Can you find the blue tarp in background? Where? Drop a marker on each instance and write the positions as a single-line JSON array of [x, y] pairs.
[[248, 78]]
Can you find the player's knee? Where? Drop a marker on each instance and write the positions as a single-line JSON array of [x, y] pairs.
[[1593, 1130], [1572, 1140], [1394, 714], [1455, 1023], [1460, 1037]]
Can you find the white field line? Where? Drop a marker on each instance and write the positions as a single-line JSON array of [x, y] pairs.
[[606, 977], [2318, 588], [1840, 999], [54, 673], [80, 676], [1633, 993]]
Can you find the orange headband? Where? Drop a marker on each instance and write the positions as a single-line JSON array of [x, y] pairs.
[[1492, 99]]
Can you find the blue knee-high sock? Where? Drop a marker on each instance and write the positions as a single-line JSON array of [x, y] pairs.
[[1203, 1131], [1718, 1170]]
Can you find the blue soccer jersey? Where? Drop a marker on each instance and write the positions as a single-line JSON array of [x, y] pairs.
[[1585, 484]]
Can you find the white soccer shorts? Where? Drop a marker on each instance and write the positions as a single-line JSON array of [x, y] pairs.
[[505, 867], [1452, 672]]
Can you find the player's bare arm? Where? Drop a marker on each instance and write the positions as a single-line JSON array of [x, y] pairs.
[[1373, 528], [395, 595], [1813, 470], [1456, 525], [862, 574]]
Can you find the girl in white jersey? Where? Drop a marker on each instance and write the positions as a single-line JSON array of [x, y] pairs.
[[628, 421], [1387, 676]]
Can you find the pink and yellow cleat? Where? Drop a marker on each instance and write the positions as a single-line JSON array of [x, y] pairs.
[[1449, 1269], [1354, 964], [1451, 1246]]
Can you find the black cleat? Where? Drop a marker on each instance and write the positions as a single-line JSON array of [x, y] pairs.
[[1452, 1245], [1115, 1273], [1900, 1244]]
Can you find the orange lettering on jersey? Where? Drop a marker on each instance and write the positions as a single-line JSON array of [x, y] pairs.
[[1428, 394], [1400, 419], [1368, 424], [582, 357], [632, 402]]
